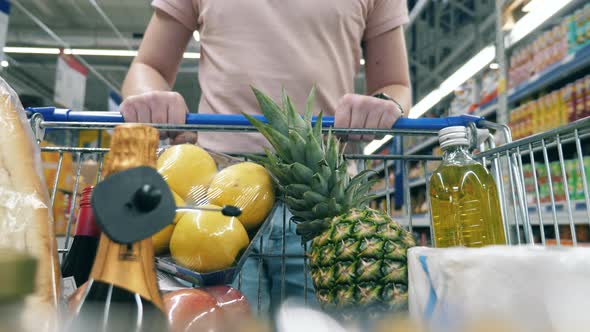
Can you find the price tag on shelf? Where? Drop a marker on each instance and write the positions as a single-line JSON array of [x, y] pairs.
[[70, 82]]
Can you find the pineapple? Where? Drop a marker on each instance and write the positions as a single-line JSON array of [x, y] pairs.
[[357, 254]]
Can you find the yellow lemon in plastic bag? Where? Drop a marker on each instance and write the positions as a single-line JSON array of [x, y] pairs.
[[161, 240], [206, 241], [246, 185], [187, 169]]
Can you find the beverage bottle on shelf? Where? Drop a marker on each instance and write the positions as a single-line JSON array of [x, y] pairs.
[[464, 203], [79, 259], [130, 205]]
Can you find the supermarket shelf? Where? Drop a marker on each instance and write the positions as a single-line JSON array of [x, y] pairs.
[[418, 220], [413, 183], [579, 213], [566, 67]]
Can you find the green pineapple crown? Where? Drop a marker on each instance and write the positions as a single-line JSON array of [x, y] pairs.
[[311, 172]]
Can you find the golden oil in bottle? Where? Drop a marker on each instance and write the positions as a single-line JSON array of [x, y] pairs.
[[463, 197]]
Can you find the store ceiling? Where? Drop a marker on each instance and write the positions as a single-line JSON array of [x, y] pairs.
[[438, 41]]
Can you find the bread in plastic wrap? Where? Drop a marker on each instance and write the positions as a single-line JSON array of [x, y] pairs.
[[207, 241], [25, 219], [531, 288]]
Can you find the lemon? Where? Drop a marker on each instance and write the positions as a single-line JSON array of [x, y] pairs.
[[187, 169], [206, 241], [246, 185], [161, 240]]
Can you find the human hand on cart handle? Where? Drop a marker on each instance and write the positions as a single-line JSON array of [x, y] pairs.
[[162, 107], [360, 111]]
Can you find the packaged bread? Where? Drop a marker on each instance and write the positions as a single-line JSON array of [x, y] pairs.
[[25, 217]]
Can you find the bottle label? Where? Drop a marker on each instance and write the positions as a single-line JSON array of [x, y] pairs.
[[68, 286]]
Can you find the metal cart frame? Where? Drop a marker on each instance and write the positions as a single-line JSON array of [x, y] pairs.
[[503, 157]]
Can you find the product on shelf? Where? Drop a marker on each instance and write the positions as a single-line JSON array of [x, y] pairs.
[[572, 173], [552, 110], [345, 234], [463, 197], [25, 219], [546, 50]]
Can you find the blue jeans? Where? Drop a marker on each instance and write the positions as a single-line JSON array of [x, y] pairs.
[[261, 280]]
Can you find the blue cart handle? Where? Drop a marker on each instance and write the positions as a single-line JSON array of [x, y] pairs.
[[64, 115]]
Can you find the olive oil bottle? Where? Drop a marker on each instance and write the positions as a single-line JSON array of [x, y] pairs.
[[463, 197]]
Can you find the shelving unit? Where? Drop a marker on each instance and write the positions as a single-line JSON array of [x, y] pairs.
[[571, 64], [498, 110]]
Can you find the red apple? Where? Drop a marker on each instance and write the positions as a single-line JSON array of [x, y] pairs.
[[233, 303], [191, 310]]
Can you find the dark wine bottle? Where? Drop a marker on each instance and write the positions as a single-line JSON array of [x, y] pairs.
[[79, 259], [122, 292]]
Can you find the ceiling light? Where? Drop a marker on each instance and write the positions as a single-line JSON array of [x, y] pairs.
[[85, 51], [31, 50], [494, 66], [540, 11], [4, 63], [95, 52], [192, 55], [197, 36], [362, 62]]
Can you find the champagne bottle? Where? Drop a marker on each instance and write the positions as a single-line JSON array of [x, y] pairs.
[[122, 292], [78, 262]]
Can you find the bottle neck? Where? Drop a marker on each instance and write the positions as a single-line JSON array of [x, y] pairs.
[[86, 223], [457, 153]]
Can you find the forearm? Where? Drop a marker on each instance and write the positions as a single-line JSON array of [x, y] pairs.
[[400, 93], [143, 78]]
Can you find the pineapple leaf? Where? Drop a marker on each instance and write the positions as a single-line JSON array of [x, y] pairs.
[[317, 129], [293, 118], [303, 214], [301, 173], [313, 153], [360, 177], [338, 191], [297, 146], [272, 112], [298, 204], [321, 210], [309, 105], [319, 184], [297, 189], [334, 208], [314, 197], [311, 229], [275, 138]]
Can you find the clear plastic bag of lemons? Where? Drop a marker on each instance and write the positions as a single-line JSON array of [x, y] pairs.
[[202, 238]]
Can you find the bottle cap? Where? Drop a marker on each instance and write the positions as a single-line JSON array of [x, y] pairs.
[[453, 136]]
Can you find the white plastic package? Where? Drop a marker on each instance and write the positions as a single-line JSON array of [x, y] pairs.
[[533, 288]]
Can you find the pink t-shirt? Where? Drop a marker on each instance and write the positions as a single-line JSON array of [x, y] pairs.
[[272, 44]]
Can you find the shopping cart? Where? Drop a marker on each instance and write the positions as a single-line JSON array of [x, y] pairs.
[[538, 203]]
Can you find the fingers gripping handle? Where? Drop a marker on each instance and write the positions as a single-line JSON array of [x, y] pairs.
[[64, 115]]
